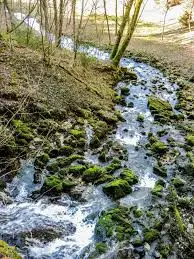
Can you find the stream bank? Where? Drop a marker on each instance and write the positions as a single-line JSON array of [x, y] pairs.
[[115, 198]]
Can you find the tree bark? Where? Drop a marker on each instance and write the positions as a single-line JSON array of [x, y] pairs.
[[107, 22], [55, 17]]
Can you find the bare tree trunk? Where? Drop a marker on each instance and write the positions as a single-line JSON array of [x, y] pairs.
[[164, 22], [61, 16], [131, 28], [8, 10], [116, 17], [74, 27], [122, 28], [45, 13], [107, 22], [55, 17]]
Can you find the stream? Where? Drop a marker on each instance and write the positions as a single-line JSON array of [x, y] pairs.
[[75, 220]]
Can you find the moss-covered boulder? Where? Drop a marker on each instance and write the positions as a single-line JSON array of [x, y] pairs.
[[41, 160], [52, 167], [128, 175], [125, 90], [93, 174], [190, 140], [55, 185], [160, 170], [157, 190], [140, 117], [159, 147], [178, 182], [150, 235], [100, 129], [23, 133], [2, 184], [115, 165], [100, 248], [76, 170], [65, 161], [114, 223], [7, 251], [66, 151], [117, 189], [161, 109], [77, 133]]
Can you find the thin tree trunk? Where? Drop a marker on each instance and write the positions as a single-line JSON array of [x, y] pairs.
[[122, 28], [61, 16], [164, 22], [45, 12], [107, 22], [116, 17], [130, 31], [55, 17], [7, 9]]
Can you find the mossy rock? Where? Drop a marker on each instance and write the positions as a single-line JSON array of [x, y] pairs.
[[165, 250], [178, 182], [137, 213], [77, 133], [8, 147], [7, 251], [2, 184], [120, 100], [65, 161], [108, 116], [114, 223], [140, 117], [47, 126], [157, 190], [93, 174], [76, 170], [125, 91], [57, 185], [66, 151], [161, 109], [115, 165], [160, 170], [23, 131], [129, 176], [117, 189], [41, 160], [190, 140], [104, 178], [100, 129], [151, 235], [95, 142], [100, 248], [159, 147], [53, 167]]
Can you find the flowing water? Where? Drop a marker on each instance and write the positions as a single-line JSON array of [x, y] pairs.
[[73, 221]]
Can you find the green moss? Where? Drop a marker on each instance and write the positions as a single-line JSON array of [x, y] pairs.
[[117, 189], [22, 130], [120, 100], [53, 167], [129, 176], [179, 220], [66, 151], [115, 165], [161, 110], [190, 140], [140, 117], [137, 213], [157, 190], [177, 182], [107, 116], [151, 235], [8, 251], [100, 129], [62, 162], [165, 250], [57, 185], [101, 248], [77, 133], [125, 91], [95, 142], [76, 170], [8, 147], [41, 160], [92, 174], [160, 170], [159, 147], [2, 184], [115, 223], [104, 178], [137, 241]]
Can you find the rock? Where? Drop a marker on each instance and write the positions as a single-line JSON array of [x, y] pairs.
[[161, 110], [41, 160], [5, 198], [117, 189], [92, 174], [125, 90], [160, 170], [76, 170], [129, 176], [130, 105], [151, 235]]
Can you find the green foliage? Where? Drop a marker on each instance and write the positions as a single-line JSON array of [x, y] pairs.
[[117, 189], [8, 251]]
